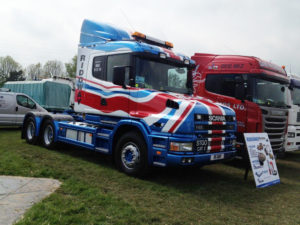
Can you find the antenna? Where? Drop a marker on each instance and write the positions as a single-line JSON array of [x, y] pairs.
[[127, 20]]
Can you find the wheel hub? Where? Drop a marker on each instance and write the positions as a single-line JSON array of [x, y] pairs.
[[130, 155]]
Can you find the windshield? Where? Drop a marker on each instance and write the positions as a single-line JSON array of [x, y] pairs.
[[296, 95], [270, 93], [161, 76]]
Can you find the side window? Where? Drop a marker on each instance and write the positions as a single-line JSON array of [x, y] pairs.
[[25, 102], [99, 66], [223, 84], [115, 61], [31, 104], [22, 100]]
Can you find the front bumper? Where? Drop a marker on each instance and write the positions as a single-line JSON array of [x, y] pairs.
[[195, 160], [292, 143]]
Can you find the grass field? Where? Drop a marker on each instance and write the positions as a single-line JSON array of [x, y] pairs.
[[94, 192]]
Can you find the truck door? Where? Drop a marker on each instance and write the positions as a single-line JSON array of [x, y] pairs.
[[225, 91], [99, 93], [7, 109]]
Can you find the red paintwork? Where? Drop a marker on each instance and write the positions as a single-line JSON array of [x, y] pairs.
[[248, 114]]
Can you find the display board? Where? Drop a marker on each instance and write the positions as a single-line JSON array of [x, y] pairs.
[[262, 159]]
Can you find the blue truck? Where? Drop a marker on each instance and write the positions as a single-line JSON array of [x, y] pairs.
[[134, 100]]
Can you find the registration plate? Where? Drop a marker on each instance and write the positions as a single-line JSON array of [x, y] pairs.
[[217, 157], [201, 145]]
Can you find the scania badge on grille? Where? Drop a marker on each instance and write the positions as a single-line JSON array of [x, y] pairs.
[[215, 118]]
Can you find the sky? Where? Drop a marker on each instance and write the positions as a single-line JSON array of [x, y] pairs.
[[33, 31]]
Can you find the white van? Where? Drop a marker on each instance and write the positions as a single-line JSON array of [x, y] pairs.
[[14, 106]]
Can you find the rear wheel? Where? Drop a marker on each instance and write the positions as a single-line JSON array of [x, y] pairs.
[[30, 130], [48, 134], [131, 154]]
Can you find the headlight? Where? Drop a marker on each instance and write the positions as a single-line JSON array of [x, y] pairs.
[[181, 146], [291, 135]]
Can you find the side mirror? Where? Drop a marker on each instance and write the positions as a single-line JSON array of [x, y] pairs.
[[239, 88], [120, 75]]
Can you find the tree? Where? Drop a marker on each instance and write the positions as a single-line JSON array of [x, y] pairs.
[[53, 68], [16, 76], [35, 71], [8, 65], [71, 67]]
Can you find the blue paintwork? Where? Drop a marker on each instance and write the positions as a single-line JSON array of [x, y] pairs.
[[203, 159], [92, 31]]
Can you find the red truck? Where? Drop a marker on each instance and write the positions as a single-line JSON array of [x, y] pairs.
[[254, 88]]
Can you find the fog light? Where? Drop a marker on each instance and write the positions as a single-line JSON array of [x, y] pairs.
[[187, 160]]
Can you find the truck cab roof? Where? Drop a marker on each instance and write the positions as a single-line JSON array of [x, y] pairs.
[[103, 37], [238, 63]]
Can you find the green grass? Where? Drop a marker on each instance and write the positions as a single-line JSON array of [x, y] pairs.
[[94, 192]]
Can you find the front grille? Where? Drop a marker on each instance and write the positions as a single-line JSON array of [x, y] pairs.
[[214, 127], [215, 118], [275, 127], [217, 130]]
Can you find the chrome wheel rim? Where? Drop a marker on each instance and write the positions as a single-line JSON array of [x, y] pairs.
[[48, 135], [130, 155], [30, 130]]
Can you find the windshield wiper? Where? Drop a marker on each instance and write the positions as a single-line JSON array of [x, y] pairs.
[[163, 90]]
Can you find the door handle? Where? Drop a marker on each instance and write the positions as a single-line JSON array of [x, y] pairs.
[[103, 101], [17, 108]]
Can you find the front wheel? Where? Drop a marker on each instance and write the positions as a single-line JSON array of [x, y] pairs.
[[30, 130], [48, 134], [131, 154]]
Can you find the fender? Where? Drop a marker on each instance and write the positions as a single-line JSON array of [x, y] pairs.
[[142, 128], [40, 117]]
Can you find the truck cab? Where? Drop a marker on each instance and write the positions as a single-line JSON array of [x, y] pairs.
[[256, 89], [134, 100], [293, 135]]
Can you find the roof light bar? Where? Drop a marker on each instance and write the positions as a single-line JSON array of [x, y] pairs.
[[152, 40]]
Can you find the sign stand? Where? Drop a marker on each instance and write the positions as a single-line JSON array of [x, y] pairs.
[[262, 160], [246, 171]]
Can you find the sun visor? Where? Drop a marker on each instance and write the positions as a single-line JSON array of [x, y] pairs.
[[92, 32]]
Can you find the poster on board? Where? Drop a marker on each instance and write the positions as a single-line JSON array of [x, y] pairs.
[[262, 159]]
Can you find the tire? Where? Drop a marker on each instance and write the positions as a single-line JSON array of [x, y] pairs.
[[131, 154], [30, 130], [48, 134]]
